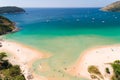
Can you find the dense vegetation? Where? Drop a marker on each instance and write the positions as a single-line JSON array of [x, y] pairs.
[[96, 74], [112, 7], [9, 71], [116, 68], [6, 25], [11, 9]]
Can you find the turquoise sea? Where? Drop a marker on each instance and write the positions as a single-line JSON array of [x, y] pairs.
[[65, 33]]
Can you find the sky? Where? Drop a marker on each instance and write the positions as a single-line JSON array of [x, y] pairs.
[[56, 3]]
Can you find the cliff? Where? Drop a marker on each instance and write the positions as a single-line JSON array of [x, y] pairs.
[[11, 9], [6, 25]]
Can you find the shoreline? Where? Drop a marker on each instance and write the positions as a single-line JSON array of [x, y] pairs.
[[24, 56], [98, 56]]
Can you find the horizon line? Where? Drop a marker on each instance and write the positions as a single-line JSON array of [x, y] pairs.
[[61, 7], [53, 7]]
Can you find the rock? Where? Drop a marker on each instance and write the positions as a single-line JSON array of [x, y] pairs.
[[29, 77], [0, 45]]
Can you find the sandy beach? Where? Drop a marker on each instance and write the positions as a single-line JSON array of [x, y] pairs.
[[99, 57], [24, 56]]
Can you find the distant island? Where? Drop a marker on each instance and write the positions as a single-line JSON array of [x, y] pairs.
[[6, 26], [114, 7], [11, 9]]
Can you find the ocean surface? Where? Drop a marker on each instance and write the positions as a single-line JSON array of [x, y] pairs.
[[65, 34]]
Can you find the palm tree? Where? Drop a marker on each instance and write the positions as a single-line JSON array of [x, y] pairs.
[[2, 55]]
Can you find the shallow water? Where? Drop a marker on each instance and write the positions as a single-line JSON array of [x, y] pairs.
[[64, 33]]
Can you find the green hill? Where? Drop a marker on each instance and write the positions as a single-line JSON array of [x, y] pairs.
[[6, 26]]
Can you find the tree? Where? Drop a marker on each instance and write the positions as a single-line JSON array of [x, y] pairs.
[[15, 70], [2, 55]]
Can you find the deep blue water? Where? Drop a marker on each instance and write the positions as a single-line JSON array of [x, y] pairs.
[[64, 21]]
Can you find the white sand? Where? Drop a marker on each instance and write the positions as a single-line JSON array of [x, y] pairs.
[[98, 57], [23, 56]]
